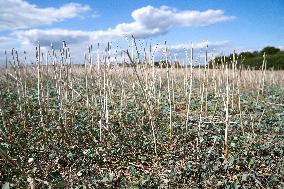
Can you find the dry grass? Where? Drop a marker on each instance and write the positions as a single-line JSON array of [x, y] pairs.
[[61, 109]]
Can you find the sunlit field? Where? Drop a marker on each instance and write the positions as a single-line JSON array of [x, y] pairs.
[[136, 124]]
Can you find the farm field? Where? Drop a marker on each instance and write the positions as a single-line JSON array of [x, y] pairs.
[[105, 125]]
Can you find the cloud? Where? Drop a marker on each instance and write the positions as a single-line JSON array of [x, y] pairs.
[[55, 36], [147, 22], [19, 14], [211, 45], [7, 43], [150, 21], [4, 39], [281, 47], [163, 18]]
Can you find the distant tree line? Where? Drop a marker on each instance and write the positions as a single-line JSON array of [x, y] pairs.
[[274, 58], [158, 64]]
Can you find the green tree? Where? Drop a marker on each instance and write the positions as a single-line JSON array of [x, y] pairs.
[[247, 54], [269, 50]]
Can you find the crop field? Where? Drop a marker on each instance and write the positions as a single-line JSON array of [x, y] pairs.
[[134, 124]]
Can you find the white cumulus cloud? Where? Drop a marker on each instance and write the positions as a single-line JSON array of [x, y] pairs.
[[147, 22], [19, 14]]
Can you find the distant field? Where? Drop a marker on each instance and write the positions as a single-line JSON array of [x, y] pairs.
[[141, 126]]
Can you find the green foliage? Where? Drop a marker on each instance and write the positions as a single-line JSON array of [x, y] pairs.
[[269, 50], [274, 59], [77, 137], [247, 55]]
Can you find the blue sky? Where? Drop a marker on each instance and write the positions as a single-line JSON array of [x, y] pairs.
[[226, 24]]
